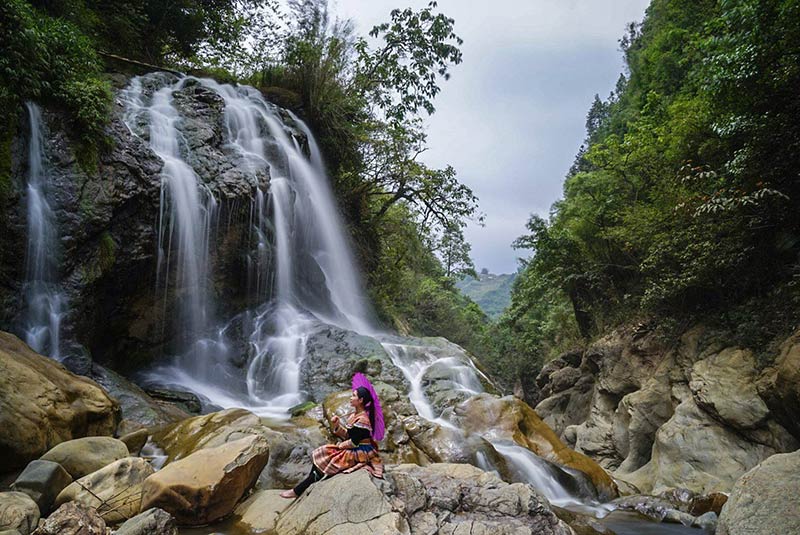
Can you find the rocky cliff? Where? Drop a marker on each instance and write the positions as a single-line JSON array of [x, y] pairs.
[[695, 414], [108, 219]]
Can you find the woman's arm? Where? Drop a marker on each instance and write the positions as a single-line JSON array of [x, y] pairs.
[[338, 429]]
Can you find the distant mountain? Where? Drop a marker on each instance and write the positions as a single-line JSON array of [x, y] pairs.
[[491, 292]]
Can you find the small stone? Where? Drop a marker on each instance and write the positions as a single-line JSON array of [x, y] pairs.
[[678, 517], [42, 481], [206, 485], [707, 521], [135, 440]]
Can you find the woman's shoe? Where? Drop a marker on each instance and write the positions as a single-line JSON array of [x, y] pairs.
[[288, 494]]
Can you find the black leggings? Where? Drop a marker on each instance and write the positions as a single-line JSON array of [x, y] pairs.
[[313, 476]]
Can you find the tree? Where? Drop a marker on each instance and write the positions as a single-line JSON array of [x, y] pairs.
[[453, 250]]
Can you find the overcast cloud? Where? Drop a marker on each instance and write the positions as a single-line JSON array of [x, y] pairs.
[[511, 118]]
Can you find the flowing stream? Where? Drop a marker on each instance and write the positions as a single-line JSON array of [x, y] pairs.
[[44, 299]]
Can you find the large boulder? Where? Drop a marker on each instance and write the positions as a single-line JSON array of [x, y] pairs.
[[764, 501], [83, 456], [115, 491], [511, 419], [333, 355], [290, 442], [42, 481], [72, 519], [695, 451], [440, 498], [188, 436], [18, 511], [42, 404], [206, 485], [723, 385]]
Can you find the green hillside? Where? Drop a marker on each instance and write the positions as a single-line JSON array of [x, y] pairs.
[[491, 292]]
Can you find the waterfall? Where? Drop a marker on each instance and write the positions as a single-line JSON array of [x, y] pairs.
[[45, 302], [186, 212], [315, 281]]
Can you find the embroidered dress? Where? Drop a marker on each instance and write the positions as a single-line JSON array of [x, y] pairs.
[[358, 451]]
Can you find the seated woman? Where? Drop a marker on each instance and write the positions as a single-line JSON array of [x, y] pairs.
[[359, 449]]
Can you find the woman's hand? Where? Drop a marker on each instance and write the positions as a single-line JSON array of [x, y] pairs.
[[335, 420]]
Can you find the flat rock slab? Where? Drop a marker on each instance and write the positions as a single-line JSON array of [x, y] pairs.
[[85, 455], [345, 504], [206, 485], [439, 498]]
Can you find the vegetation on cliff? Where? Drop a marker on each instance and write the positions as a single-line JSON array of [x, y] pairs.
[[681, 205]]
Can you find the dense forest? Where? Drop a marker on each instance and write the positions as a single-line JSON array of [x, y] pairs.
[[679, 207]]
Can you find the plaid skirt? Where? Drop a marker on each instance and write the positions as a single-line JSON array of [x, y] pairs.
[[332, 459]]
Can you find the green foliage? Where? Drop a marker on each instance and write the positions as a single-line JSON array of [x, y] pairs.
[[50, 60], [682, 202], [401, 76]]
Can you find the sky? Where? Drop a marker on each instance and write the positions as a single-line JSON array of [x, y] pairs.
[[512, 116]]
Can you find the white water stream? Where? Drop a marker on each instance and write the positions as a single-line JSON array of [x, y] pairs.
[[45, 302]]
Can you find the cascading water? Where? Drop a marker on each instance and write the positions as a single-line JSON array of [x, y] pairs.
[[46, 303], [418, 361], [186, 211], [316, 279]]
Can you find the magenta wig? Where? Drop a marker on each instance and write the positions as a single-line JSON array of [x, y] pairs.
[[372, 405]]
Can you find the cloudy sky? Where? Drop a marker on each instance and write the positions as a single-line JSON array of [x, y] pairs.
[[511, 118]]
